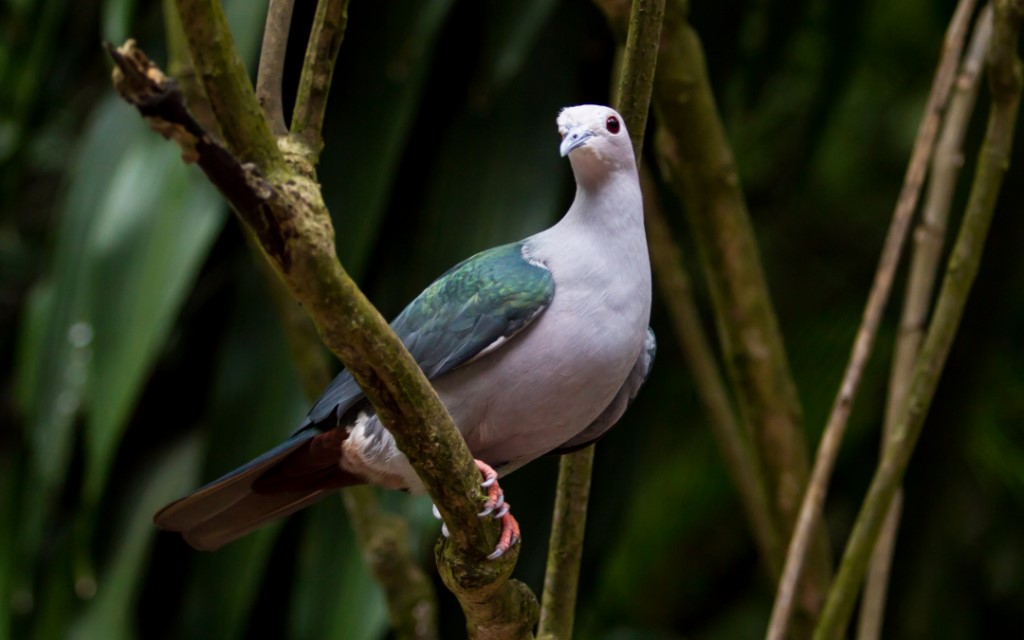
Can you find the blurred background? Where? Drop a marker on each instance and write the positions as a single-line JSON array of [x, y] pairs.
[[141, 355]]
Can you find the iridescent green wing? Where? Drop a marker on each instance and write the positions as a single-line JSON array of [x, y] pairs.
[[474, 307]]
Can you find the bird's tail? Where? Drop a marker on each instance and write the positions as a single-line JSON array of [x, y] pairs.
[[295, 474]]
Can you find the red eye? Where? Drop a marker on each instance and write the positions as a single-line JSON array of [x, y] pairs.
[[612, 124]]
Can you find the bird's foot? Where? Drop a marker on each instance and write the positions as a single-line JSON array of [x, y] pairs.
[[494, 507], [497, 508]]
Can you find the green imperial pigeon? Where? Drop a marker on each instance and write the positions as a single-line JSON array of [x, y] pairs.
[[534, 347]]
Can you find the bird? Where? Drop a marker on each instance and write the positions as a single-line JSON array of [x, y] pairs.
[[535, 347]]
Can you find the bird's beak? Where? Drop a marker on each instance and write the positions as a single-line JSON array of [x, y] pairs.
[[574, 139]]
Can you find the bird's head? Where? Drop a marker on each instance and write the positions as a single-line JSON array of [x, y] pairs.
[[595, 139]]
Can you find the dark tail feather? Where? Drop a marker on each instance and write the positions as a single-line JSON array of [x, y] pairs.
[[253, 495]]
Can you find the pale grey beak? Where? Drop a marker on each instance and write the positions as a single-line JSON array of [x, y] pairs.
[[574, 139]]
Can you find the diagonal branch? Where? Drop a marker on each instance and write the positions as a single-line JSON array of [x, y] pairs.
[[317, 70], [828, 448], [287, 213], [271, 72], [383, 537], [924, 267], [1006, 78], [677, 294]]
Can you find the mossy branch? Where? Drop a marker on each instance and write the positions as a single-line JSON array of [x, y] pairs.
[[924, 267], [1005, 82], [221, 72], [673, 282], [383, 537], [284, 207], [892, 249]]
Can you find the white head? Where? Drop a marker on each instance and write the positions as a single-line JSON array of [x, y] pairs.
[[596, 141]]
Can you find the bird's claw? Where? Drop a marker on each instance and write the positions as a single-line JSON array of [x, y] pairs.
[[509, 534], [495, 507]]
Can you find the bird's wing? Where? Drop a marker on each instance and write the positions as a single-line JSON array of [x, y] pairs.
[[470, 310], [636, 379]]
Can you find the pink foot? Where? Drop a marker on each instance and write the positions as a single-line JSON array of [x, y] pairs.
[[497, 508]]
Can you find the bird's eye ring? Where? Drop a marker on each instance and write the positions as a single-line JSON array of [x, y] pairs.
[[612, 124]]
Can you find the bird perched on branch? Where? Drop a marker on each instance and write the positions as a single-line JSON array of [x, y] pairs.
[[534, 347]]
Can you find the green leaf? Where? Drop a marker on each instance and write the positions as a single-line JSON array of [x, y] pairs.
[[335, 596], [110, 614], [150, 235], [257, 401], [514, 30]]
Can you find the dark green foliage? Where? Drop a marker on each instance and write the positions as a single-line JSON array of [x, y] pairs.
[[440, 142]]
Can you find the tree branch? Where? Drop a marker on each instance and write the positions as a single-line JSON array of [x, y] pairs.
[[633, 101], [1005, 82], [677, 294], [317, 71], [828, 448], [383, 537], [565, 549], [695, 157], [924, 266], [271, 72], [287, 213], [227, 85]]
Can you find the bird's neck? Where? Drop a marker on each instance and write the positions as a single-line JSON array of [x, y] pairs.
[[613, 204]]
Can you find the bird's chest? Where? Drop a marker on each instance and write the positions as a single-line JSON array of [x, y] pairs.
[[558, 374]]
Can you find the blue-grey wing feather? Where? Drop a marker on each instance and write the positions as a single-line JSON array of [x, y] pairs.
[[630, 388], [476, 304]]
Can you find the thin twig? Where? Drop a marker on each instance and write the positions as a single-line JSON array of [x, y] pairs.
[[676, 292], [828, 448], [633, 98], [317, 70], [1005, 82], [271, 72], [924, 266], [566, 544], [561, 578]]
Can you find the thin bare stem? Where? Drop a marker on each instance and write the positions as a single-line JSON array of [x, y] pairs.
[[633, 98], [561, 578], [828, 448], [1005, 82], [677, 293], [271, 71], [317, 70], [924, 266], [566, 544]]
